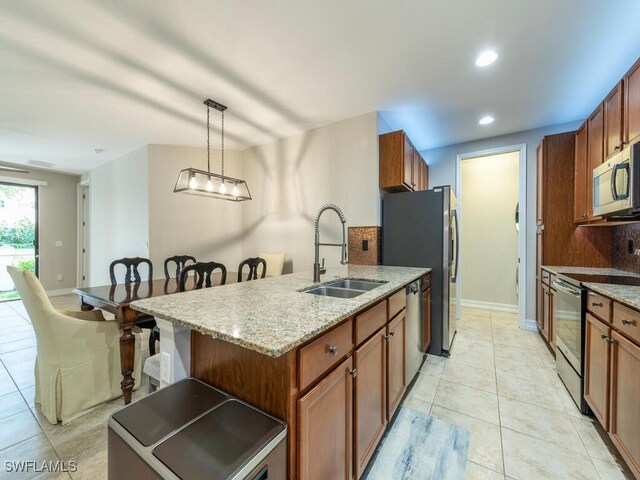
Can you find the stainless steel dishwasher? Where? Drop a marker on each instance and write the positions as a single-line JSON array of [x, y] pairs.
[[413, 330]]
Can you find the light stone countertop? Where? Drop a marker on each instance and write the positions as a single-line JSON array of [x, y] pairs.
[[589, 271], [272, 316]]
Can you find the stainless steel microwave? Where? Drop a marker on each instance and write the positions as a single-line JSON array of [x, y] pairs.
[[616, 184]]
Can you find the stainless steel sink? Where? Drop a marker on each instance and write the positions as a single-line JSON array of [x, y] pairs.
[[365, 285], [327, 291]]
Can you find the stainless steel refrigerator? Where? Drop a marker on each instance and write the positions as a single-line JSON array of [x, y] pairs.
[[420, 229]]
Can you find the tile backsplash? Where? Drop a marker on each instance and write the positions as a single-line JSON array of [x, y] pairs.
[[621, 258]]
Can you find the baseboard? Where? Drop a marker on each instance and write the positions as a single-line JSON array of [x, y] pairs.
[[531, 325], [496, 307], [60, 292]]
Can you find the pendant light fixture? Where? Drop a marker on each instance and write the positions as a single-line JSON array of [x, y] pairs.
[[199, 182]]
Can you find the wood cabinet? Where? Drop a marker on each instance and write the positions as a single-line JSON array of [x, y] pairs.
[[632, 104], [581, 178], [596, 370], [402, 168], [613, 107], [540, 184], [624, 427], [325, 419], [396, 382], [596, 138], [370, 399], [426, 320]]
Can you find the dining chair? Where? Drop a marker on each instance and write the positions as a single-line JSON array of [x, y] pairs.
[[77, 354], [253, 264], [132, 275], [202, 272], [180, 261], [275, 263]]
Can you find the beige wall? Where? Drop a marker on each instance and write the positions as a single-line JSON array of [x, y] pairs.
[[182, 224], [488, 238], [119, 206], [57, 221], [291, 178]]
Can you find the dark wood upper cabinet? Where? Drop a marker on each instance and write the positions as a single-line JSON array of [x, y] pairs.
[[632, 104], [596, 138], [402, 167], [596, 368], [613, 120], [581, 183]]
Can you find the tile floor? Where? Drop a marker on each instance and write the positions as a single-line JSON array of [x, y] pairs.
[[499, 383]]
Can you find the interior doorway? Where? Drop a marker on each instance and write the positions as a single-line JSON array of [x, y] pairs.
[[18, 233], [491, 187]]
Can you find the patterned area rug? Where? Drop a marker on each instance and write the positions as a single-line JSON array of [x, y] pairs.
[[420, 447]]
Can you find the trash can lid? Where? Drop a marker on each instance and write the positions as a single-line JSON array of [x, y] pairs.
[[159, 414], [220, 443]]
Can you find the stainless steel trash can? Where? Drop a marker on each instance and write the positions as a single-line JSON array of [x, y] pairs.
[[191, 430]]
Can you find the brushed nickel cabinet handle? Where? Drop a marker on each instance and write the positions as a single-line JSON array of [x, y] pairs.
[[352, 372], [333, 350], [598, 304], [626, 322]]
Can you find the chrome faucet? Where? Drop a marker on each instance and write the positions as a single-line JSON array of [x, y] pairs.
[[320, 269]]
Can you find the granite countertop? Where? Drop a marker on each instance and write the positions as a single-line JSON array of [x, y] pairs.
[[272, 316], [627, 294]]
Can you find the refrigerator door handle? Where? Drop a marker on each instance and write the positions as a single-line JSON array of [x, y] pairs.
[[454, 277]]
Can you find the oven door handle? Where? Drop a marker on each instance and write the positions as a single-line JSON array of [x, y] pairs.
[[563, 287]]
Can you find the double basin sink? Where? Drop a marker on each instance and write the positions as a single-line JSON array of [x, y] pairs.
[[345, 288]]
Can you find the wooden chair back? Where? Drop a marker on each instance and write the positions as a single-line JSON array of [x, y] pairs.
[[132, 272], [253, 264], [202, 272], [180, 261]]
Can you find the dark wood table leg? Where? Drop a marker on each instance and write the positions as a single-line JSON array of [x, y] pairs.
[[85, 307], [126, 317]]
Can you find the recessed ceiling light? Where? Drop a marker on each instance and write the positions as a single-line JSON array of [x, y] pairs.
[[486, 58], [486, 120], [99, 150]]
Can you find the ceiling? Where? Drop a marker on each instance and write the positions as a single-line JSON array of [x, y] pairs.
[[76, 75]]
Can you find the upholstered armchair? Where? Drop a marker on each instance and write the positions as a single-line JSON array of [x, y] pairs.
[[78, 354]]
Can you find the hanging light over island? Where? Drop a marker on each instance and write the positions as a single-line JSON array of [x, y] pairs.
[[205, 183]]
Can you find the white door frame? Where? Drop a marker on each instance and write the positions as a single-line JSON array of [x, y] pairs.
[[80, 231], [522, 238]]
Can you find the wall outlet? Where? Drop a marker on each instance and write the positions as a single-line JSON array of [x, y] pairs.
[[637, 252], [59, 278], [165, 367], [58, 243]]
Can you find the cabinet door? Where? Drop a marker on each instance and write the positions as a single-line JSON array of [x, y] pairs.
[[540, 305], [417, 172], [581, 182], [426, 319], [540, 184], [625, 400], [396, 382], [425, 178], [596, 138], [370, 399], [613, 110], [596, 368], [325, 419], [632, 104], [546, 301], [551, 324], [408, 163]]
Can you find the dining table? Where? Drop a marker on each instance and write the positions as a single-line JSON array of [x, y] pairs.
[[116, 299]]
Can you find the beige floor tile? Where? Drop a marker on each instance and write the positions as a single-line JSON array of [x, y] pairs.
[[467, 312], [29, 342], [476, 472], [29, 395], [17, 428], [612, 470], [595, 439], [470, 376], [92, 463], [36, 448], [541, 394], [53, 476], [7, 384], [433, 366], [527, 370], [474, 355], [417, 403], [470, 401], [527, 458], [7, 308], [485, 443], [542, 423], [467, 341], [424, 388], [11, 404], [517, 353]]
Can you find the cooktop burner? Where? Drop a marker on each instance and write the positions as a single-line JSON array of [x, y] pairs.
[[611, 279]]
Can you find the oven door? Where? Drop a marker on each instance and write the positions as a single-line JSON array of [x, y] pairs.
[[568, 320]]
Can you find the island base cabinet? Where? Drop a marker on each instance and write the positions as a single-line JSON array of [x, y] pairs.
[[396, 383], [596, 370], [370, 413], [624, 427], [325, 418]]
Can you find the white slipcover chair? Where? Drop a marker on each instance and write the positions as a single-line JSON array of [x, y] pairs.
[[78, 354], [275, 263]]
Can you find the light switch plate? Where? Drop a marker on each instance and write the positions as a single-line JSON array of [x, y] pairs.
[[165, 367], [58, 243]]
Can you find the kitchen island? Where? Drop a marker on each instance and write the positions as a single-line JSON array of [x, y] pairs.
[[332, 368]]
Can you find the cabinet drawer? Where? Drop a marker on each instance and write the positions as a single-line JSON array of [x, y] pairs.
[[546, 277], [426, 282], [627, 321], [323, 353], [397, 302], [370, 321], [599, 306]]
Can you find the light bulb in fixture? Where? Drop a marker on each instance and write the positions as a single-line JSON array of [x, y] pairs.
[[235, 190], [486, 120], [486, 58], [223, 187], [192, 182], [209, 185]]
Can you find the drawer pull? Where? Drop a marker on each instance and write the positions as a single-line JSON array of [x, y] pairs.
[[352, 372], [333, 350], [607, 339], [388, 337], [626, 322], [599, 304]]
